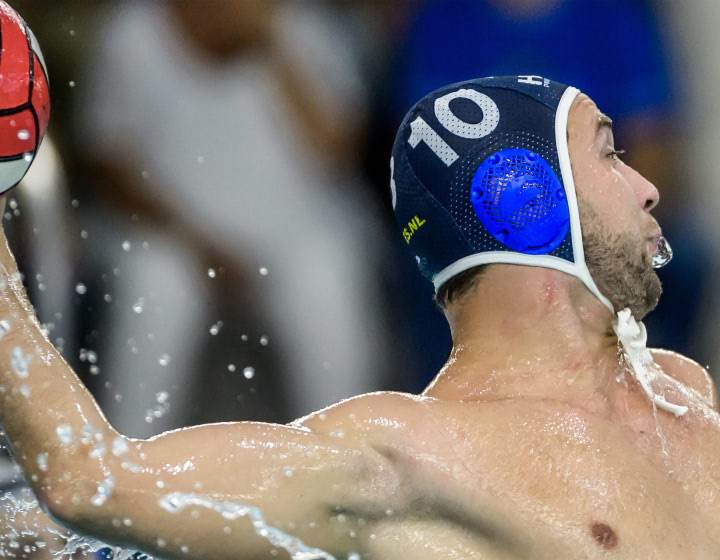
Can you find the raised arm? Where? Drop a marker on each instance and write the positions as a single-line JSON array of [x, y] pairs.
[[177, 495]]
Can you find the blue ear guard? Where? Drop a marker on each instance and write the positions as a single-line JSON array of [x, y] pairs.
[[519, 199]]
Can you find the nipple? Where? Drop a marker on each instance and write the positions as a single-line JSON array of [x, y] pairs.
[[604, 535], [664, 253]]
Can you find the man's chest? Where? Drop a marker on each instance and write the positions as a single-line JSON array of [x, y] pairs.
[[525, 484]]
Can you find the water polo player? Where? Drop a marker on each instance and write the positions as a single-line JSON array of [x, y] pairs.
[[551, 432]]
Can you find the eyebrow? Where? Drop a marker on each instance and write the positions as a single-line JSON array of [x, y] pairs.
[[602, 121]]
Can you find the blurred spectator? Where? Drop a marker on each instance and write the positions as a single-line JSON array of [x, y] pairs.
[[613, 51], [224, 136]]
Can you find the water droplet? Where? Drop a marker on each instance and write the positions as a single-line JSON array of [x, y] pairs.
[[64, 433], [664, 253], [161, 397], [119, 446], [25, 391], [107, 298], [23, 134], [81, 288], [139, 305], [4, 327], [164, 359], [211, 272], [215, 329], [19, 362], [249, 372], [126, 245], [264, 340], [104, 491], [231, 367], [42, 461], [98, 499], [263, 271], [94, 370], [71, 83], [288, 471]]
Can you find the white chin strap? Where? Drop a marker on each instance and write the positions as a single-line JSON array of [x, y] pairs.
[[631, 334], [633, 337]]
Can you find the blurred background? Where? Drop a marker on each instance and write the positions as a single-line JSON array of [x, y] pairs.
[[207, 232]]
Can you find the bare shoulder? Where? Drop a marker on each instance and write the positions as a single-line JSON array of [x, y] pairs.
[[687, 371], [403, 423], [391, 414]]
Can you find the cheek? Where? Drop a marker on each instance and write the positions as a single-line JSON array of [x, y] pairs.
[[608, 192]]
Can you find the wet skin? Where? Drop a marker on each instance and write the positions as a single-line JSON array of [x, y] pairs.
[[533, 441]]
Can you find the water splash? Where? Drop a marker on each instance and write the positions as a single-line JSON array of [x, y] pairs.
[[664, 253], [29, 533], [178, 501], [79, 544]]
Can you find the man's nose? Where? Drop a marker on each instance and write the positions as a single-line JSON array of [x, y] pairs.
[[646, 193]]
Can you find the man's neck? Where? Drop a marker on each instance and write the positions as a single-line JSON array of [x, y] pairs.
[[537, 334]]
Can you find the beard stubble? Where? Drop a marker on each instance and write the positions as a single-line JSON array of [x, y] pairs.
[[618, 265]]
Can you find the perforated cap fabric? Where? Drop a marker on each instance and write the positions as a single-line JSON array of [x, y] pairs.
[[480, 173]]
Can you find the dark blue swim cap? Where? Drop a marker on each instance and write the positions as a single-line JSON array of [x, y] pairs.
[[480, 174]]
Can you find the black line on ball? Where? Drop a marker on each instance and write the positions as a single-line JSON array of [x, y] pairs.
[[15, 157], [31, 57], [16, 109], [37, 130]]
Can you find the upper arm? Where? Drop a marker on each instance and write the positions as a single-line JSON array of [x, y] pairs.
[[688, 372], [291, 478]]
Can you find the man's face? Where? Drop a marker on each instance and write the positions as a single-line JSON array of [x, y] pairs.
[[619, 234]]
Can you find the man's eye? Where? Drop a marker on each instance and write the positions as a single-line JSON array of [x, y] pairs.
[[615, 153]]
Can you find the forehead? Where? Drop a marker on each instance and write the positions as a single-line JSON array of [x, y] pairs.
[[584, 117]]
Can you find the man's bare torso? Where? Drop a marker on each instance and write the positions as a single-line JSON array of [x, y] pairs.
[[541, 478]]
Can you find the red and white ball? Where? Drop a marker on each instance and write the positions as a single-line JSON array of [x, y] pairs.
[[24, 97]]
